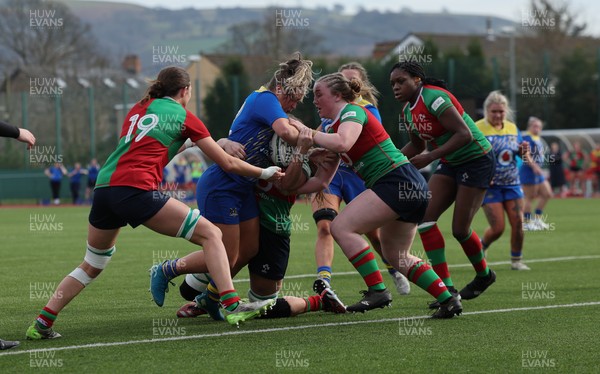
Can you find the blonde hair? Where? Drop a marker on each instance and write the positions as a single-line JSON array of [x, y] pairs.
[[496, 97], [532, 120], [338, 83], [368, 92], [293, 76]]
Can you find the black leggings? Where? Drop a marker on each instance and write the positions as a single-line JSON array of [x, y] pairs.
[[55, 186]]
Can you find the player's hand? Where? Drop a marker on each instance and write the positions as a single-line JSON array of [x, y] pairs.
[[320, 156], [524, 148], [296, 123], [26, 136], [305, 140], [272, 173], [421, 160], [234, 149]]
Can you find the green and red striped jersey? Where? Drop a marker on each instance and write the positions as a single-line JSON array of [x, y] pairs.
[[374, 154], [422, 119], [151, 135]]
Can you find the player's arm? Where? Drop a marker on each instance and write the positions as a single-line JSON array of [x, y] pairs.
[[232, 148], [343, 140], [323, 176], [414, 147], [9, 131], [231, 164], [450, 120], [286, 130], [22, 135], [294, 175]]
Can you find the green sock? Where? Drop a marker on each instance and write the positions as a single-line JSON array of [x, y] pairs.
[[365, 263]]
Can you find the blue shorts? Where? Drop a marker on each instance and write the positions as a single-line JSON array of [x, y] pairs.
[[115, 207], [474, 173], [404, 190], [271, 261], [346, 184], [499, 194], [225, 206], [529, 177]]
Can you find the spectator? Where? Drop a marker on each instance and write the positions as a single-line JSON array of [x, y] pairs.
[[75, 181], [595, 169], [577, 160], [55, 173], [557, 172], [92, 173]]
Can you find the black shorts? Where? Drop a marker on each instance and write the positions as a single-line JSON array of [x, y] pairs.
[[271, 261], [474, 173], [115, 207], [404, 190], [91, 183]]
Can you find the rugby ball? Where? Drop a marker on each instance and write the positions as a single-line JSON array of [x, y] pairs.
[[281, 152]]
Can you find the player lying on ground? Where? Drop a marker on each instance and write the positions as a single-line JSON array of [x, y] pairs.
[[267, 268]]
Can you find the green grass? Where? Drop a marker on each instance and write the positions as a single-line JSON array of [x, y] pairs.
[[118, 308]]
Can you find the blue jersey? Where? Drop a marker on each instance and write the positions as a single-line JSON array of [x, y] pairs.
[[536, 148], [93, 172], [180, 172], [505, 142], [252, 127], [56, 174], [76, 178]]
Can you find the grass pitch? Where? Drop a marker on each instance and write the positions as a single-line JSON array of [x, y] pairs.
[[543, 319]]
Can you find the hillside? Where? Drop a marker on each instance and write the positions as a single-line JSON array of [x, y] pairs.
[[126, 28]]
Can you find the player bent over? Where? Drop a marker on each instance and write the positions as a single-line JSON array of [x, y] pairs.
[[267, 268]]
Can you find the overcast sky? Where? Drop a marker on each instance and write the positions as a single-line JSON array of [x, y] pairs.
[[510, 9]]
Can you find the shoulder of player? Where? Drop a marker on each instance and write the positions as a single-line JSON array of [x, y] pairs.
[[352, 111], [434, 97], [432, 92], [511, 128]]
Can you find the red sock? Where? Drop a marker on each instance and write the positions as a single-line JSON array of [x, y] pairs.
[[46, 318], [229, 299], [472, 247], [313, 303], [434, 245]]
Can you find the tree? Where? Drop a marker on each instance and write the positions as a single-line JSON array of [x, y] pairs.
[[277, 35], [576, 93], [47, 34], [547, 17]]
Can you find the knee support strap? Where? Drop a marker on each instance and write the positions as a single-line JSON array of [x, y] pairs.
[[253, 296], [81, 276], [98, 258], [426, 225], [189, 224], [325, 213], [193, 285]]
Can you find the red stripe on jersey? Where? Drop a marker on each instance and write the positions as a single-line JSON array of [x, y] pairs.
[[371, 135], [142, 163]]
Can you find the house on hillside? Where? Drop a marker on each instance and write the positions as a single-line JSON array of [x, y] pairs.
[[494, 46]]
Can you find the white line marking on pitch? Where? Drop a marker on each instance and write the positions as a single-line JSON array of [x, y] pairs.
[[278, 329], [550, 259]]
